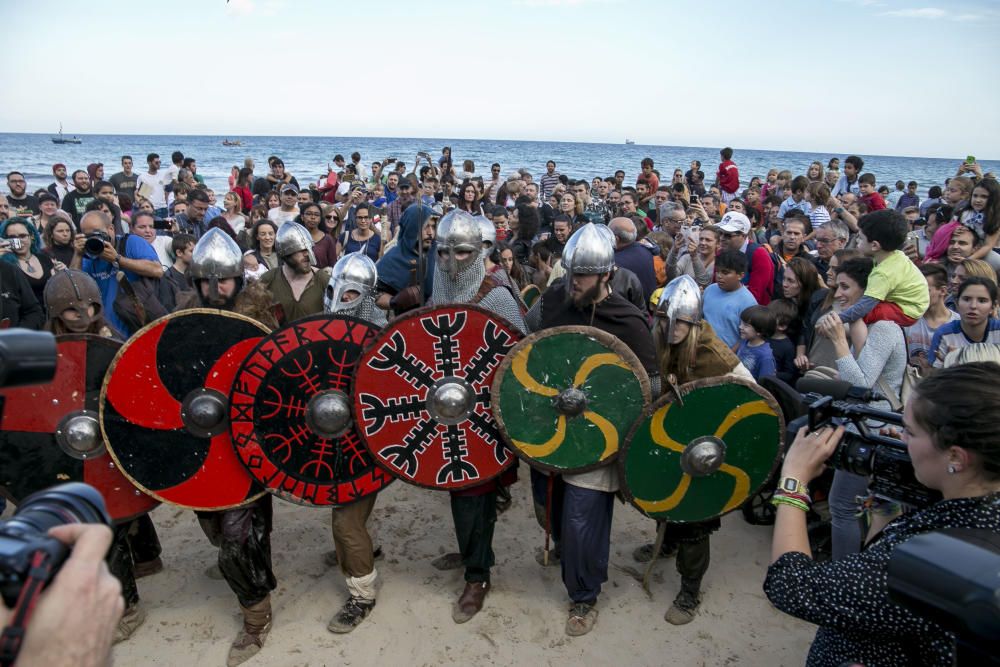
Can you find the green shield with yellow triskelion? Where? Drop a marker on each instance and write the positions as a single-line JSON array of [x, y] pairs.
[[743, 424], [565, 397]]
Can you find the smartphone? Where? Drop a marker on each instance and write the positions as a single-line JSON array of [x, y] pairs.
[[162, 223], [695, 199], [970, 159]]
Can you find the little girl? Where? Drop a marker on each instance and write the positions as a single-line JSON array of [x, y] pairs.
[[983, 216], [757, 324]]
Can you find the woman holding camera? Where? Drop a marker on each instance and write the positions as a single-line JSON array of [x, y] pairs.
[[954, 445], [23, 246], [879, 366]]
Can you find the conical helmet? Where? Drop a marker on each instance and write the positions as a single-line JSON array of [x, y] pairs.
[[354, 272], [292, 238]]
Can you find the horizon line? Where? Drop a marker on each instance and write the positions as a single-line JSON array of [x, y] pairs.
[[450, 139]]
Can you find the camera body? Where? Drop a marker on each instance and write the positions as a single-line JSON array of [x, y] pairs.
[[94, 245], [885, 460], [26, 532]]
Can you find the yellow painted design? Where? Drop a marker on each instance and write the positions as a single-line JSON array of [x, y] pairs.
[[547, 447], [741, 488], [607, 429], [595, 360], [659, 436], [519, 366]]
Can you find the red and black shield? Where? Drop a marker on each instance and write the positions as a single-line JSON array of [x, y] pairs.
[[165, 408], [49, 433], [422, 396], [290, 413]]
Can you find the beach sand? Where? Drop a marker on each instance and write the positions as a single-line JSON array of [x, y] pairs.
[[192, 619]]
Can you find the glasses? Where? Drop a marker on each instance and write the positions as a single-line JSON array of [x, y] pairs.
[[17, 236], [359, 218], [330, 217], [16, 181], [824, 241], [310, 214]]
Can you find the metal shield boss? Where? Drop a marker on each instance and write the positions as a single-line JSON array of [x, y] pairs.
[[565, 397], [291, 413], [50, 433], [165, 408], [422, 396], [702, 456]]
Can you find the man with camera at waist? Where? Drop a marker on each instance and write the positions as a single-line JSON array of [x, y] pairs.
[[96, 253]]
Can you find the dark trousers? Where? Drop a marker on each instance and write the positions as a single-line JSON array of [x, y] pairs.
[[475, 518], [243, 536], [539, 492], [693, 551], [143, 539], [121, 563], [586, 541]]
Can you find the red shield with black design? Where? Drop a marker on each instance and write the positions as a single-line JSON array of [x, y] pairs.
[[291, 413], [50, 434], [422, 396]]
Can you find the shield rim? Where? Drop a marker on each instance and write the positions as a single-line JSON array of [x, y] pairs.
[[609, 341], [669, 397], [413, 314], [104, 396], [278, 493]]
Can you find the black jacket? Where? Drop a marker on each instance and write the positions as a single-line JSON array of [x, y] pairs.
[[17, 302]]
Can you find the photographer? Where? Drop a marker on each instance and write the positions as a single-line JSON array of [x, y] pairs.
[[75, 618], [954, 445]]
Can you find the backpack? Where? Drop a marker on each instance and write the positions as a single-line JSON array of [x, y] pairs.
[[777, 262], [140, 302]]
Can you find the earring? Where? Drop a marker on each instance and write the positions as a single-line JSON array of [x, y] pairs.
[[952, 470]]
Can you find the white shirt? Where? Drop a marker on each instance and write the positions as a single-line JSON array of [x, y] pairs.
[[154, 188], [279, 216]]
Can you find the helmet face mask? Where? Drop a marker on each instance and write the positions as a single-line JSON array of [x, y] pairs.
[[354, 272], [216, 257], [71, 290], [489, 233], [459, 243]]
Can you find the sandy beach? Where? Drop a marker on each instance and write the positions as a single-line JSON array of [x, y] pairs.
[[192, 619]]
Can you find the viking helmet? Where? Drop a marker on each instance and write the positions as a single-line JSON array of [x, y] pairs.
[[293, 237], [590, 250], [354, 272], [458, 232], [73, 290], [216, 257], [680, 301], [489, 233]]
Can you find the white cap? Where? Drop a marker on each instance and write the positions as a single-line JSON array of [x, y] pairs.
[[735, 222]]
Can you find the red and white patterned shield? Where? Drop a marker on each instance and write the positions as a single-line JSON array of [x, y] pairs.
[[422, 396], [290, 413]]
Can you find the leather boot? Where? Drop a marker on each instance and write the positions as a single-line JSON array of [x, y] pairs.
[[256, 625], [471, 601]]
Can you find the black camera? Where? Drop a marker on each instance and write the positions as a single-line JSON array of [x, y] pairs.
[[94, 245], [26, 532], [882, 458]]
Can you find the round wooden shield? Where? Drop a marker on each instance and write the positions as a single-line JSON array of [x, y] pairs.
[[566, 397], [165, 406], [701, 458], [49, 433], [422, 396], [530, 295], [290, 413]]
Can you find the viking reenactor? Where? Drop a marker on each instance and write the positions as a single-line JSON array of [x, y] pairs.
[[406, 270], [73, 302], [243, 534], [579, 506], [460, 277], [687, 349], [296, 285], [351, 291]]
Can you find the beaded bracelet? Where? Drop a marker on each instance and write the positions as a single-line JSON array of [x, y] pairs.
[[785, 500], [804, 497]]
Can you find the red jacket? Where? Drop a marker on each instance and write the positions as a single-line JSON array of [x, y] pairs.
[[246, 198], [728, 177], [874, 202]]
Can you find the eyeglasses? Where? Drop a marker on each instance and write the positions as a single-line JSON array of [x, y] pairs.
[[310, 214], [17, 236], [359, 218], [16, 181], [824, 241], [330, 217]]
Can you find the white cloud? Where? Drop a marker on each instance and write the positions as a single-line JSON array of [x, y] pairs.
[[560, 3], [918, 13], [241, 7]]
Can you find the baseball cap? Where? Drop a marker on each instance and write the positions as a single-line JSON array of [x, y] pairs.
[[735, 222], [405, 184], [47, 196], [289, 186], [57, 165]]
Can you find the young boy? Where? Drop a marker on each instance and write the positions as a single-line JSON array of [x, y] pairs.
[[798, 198], [872, 199], [896, 291], [920, 335], [757, 324], [501, 223], [728, 175], [727, 298], [785, 311]]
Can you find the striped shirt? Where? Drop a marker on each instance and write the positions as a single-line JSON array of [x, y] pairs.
[[548, 183]]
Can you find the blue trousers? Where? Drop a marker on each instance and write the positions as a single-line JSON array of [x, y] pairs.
[[586, 541]]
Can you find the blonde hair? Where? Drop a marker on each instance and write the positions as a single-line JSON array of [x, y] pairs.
[[973, 353], [979, 267], [675, 358]]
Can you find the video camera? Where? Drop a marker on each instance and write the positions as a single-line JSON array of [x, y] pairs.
[[883, 459]]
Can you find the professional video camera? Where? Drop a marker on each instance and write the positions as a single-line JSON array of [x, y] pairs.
[[882, 458]]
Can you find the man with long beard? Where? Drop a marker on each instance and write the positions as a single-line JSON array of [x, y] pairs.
[[583, 503], [296, 285]]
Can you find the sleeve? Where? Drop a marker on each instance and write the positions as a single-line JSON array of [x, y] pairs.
[[701, 275], [761, 276], [850, 594], [137, 248], [31, 316], [936, 355], [864, 306], [766, 364], [867, 368]]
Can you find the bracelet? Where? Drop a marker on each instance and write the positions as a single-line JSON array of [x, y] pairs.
[[802, 496], [779, 499]]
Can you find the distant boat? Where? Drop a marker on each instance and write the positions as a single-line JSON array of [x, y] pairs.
[[628, 142], [234, 142], [65, 140]]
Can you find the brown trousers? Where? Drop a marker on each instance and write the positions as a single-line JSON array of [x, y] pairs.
[[351, 538]]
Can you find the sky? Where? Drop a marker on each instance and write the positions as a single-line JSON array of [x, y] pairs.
[[890, 77]]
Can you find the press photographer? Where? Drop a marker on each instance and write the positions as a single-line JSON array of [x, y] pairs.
[[954, 446]]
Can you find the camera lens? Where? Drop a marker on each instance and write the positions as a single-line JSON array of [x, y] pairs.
[[93, 246], [73, 502], [854, 455]]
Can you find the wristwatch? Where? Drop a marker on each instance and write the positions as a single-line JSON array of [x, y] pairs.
[[792, 485]]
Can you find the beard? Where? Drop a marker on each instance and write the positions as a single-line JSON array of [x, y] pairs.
[[587, 298]]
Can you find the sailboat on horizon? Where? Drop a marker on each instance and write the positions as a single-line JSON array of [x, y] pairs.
[[629, 142], [65, 140]]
